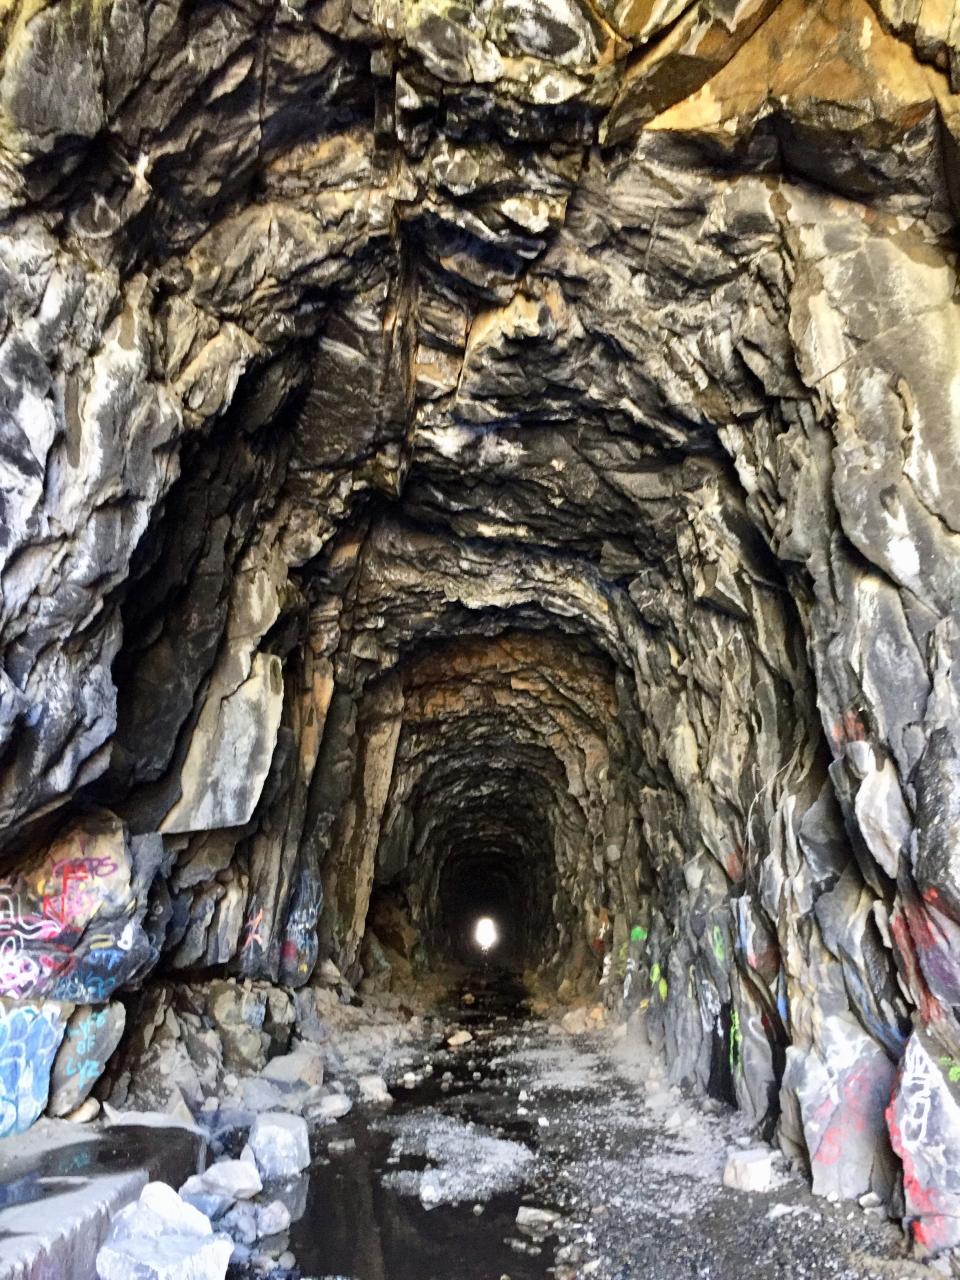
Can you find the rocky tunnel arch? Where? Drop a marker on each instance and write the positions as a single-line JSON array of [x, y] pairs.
[[500, 748], [384, 432]]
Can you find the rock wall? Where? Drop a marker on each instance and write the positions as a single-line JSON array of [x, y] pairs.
[[514, 440]]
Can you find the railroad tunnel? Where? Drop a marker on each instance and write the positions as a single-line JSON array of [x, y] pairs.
[[488, 461]]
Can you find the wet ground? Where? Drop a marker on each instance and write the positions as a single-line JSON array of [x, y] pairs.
[[582, 1133], [30, 1175], [633, 1170], [356, 1224]]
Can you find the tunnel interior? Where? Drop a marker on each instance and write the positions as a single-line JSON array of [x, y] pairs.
[[491, 796], [484, 886], [495, 861], [454, 471]]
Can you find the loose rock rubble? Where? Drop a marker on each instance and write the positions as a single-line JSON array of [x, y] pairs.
[[466, 1164], [161, 1237]]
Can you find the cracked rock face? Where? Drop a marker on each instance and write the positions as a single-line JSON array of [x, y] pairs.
[[492, 455]]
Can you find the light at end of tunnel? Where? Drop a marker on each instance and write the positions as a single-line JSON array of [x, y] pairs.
[[485, 934]]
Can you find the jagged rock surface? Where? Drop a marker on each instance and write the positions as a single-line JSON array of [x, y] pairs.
[[495, 447]]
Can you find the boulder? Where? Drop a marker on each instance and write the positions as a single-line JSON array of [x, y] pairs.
[[328, 973], [263, 1095], [924, 1122], [534, 1221], [272, 1218], [842, 1087], [181, 1119], [30, 1036], [280, 1144], [329, 1107], [82, 936], [239, 1015], [749, 1170], [575, 1022], [241, 1223], [161, 1237], [86, 1112], [210, 1204], [301, 1068], [373, 1090], [91, 1036], [313, 1007], [237, 1179]]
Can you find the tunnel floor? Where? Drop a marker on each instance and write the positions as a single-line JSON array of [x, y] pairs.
[[516, 1152], [630, 1168]]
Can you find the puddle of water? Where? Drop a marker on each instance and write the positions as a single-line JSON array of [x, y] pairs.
[[354, 1226], [44, 1174]]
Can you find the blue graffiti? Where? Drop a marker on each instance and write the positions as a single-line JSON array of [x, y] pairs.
[[30, 1036]]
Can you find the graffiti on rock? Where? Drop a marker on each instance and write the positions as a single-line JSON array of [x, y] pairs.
[[70, 923], [92, 1035], [924, 1123], [299, 949], [30, 1035]]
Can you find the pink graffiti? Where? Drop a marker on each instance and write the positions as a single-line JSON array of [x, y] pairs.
[[19, 972], [14, 921], [252, 931]]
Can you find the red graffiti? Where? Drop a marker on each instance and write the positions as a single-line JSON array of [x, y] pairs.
[[733, 865], [921, 1200], [921, 926], [73, 897], [851, 1115], [903, 936]]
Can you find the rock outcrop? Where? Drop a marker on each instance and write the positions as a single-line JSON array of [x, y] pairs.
[[506, 450]]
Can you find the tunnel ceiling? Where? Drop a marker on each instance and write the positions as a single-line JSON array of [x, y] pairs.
[[517, 436]]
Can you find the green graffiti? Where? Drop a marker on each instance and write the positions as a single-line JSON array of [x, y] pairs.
[[736, 1044], [952, 1068], [719, 949], [662, 988], [638, 933], [654, 973]]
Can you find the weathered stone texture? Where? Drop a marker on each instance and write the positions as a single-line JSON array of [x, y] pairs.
[[450, 450]]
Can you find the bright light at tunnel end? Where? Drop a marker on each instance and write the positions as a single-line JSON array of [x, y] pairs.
[[485, 933]]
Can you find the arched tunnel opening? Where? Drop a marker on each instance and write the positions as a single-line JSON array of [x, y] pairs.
[[491, 462]]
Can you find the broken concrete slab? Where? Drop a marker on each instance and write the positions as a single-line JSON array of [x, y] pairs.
[[91, 1175]]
